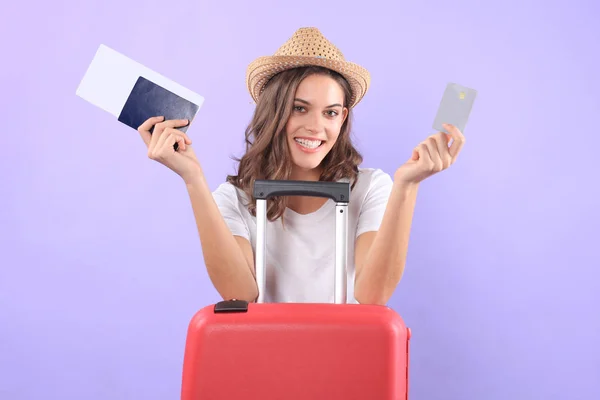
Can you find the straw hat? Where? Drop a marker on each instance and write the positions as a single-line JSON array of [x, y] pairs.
[[307, 47]]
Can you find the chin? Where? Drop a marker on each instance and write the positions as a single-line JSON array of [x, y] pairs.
[[307, 162], [307, 165]]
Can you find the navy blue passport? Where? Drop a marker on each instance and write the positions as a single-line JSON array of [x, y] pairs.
[[147, 99]]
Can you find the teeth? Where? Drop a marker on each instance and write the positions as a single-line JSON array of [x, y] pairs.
[[311, 144]]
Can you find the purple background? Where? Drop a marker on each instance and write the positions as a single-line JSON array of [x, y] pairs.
[[101, 267]]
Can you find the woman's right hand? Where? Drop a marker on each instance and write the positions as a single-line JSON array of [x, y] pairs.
[[161, 142]]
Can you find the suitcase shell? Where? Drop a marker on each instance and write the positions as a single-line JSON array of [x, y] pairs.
[[297, 351], [240, 350]]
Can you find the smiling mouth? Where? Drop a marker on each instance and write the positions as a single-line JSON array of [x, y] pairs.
[[309, 144]]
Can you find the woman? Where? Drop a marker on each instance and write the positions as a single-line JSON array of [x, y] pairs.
[[301, 130]]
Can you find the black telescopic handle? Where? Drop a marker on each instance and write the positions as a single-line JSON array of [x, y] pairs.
[[337, 191]]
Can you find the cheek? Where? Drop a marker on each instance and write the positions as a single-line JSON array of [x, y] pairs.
[[333, 131], [290, 128]]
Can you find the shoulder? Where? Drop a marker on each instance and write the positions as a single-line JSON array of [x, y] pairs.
[[231, 205], [372, 189], [229, 190], [369, 198], [372, 179], [226, 189], [226, 194]]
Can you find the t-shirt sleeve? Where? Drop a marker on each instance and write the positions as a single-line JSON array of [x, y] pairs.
[[374, 203], [230, 207]]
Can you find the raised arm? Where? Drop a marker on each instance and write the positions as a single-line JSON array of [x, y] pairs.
[[381, 253], [228, 258]]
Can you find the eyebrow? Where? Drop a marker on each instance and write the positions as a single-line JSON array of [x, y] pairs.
[[307, 103]]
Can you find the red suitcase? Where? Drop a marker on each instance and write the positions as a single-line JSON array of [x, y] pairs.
[[257, 351]]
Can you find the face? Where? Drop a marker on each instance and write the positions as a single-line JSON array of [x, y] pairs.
[[315, 122]]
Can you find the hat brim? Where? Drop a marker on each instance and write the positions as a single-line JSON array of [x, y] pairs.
[[261, 70]]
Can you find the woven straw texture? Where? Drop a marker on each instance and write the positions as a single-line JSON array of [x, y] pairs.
[[307, 47]]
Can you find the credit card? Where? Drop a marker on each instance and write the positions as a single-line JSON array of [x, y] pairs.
[[455, 107]]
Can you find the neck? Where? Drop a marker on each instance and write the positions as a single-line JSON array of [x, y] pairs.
[[299, 174], [305, 204]]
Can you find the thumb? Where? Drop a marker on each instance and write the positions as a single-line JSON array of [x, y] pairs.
[[448, 139], [146, 136], [415, 155], [146, 128]]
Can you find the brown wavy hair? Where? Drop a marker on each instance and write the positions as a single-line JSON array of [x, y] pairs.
[[267, 154]]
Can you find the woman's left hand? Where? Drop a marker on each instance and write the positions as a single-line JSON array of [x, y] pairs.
[[431, 156]]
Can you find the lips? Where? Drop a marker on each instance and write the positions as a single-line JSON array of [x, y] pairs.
[[310, 144]]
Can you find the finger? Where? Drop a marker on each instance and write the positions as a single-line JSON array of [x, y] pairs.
[[168, 144], [441, 142], [144, 129], [172, 123], [458, 140], [424, 156], [160, 128], [434, 153], [172, 142], [150, 122], [173, 131]]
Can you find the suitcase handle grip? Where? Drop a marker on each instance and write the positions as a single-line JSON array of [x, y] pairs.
[[336, 191]]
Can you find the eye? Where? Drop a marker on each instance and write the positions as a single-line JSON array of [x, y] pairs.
[[298, 108], [332, 113]]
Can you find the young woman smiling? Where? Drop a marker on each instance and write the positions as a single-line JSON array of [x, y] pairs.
[[300, 130]]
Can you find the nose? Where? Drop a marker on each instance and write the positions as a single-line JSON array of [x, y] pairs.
[[313, 123]]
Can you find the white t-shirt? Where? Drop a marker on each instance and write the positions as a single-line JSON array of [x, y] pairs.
[[301, 254]]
